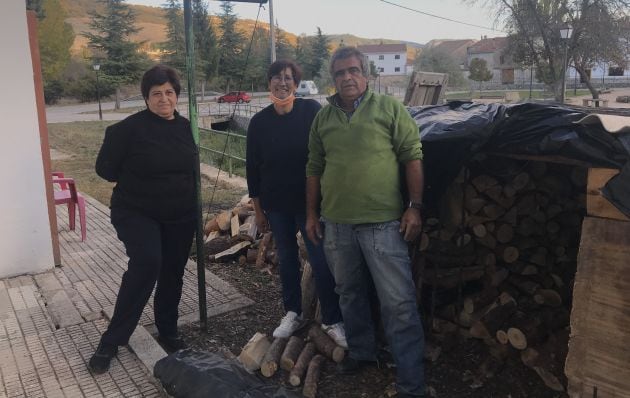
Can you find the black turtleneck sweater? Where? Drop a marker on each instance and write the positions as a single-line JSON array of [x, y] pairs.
[[152, 160], [277, 151]]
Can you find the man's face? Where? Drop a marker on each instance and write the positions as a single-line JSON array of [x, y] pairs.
[[349, 79]]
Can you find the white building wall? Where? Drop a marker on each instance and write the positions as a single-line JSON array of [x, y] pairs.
[[25, 237], [389, 63]]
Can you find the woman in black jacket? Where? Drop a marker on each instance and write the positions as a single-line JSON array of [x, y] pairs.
[[151, 157]]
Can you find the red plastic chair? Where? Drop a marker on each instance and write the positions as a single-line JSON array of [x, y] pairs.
[[70, 196]]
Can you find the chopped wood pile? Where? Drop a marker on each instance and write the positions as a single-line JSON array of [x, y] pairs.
[[500, 260], [301, 359], [234, 235]]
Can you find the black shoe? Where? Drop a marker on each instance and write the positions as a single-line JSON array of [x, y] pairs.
[[99, 363], [171, 344]]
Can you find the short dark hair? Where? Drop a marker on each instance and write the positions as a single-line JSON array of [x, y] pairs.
[[348, 52], [158, 75], [280, 65]]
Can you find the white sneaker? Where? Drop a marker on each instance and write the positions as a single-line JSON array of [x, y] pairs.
[[337, 333], [288, 325]]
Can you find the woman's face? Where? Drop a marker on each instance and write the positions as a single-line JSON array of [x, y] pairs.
[[162, 100], [282, 85]]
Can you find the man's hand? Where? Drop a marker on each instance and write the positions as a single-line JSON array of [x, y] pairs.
[[411, 224], [261, 222], [314, 229]]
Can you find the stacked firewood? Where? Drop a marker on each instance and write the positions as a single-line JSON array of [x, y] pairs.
[[301, 359], [501, 255], [233, 235]]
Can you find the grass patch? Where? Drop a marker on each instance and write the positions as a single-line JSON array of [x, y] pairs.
[[81, 141], [217, 142]]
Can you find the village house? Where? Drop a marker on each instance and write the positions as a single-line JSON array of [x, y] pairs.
[[389, 59]]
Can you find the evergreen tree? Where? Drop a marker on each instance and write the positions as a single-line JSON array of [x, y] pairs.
[[121, 62], [320, 53], [230, 46], [304, 55], [205, 43], [284, 49], [37, 6], [175, 44]]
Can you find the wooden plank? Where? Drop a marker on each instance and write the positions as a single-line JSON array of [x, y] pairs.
[[596, 204], [234, 225], [600, 318]]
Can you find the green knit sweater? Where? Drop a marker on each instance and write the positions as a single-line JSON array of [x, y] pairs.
[[358, 159]]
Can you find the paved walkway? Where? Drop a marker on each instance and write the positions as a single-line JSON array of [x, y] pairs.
[[50, 323]]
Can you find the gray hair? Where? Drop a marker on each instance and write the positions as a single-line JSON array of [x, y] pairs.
[[347, 52]]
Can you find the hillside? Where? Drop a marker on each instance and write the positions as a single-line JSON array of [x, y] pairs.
[[152, 23]]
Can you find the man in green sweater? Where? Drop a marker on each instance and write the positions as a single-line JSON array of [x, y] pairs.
[[357, 144]]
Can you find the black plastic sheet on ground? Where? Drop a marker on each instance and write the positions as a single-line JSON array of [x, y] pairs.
[[453, 133], [197, 374]]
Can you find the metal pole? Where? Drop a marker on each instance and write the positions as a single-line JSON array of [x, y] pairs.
[[272, 30], [564, 71], [192, 113], [531, 80], [98, 98]]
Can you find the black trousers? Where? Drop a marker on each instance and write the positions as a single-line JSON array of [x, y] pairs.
[[157, 252]]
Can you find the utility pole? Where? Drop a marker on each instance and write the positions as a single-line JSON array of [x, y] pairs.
[[272, 31]]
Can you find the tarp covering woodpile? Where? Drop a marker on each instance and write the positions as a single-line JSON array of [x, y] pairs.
[[452, 134]]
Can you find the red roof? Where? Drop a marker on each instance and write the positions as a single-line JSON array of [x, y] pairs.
[[488, 45], [382, 48]]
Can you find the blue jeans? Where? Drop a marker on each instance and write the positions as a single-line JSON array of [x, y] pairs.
[[284, 227], [356, 253]]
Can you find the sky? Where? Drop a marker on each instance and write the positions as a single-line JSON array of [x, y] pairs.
[[371, 18]]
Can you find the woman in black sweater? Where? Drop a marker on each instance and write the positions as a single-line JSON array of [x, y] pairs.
[[277, 150], [151, 157]]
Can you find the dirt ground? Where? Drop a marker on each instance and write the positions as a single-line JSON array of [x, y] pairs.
[[452, 375]]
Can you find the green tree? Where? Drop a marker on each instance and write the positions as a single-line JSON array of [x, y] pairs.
[[284, 49], [320, 52], [534, 31], [118, 55], [432, 60], [205, 44], [55, 38], [230, 46], [304, 54], [479, 71], [37, 6], [175, 44]]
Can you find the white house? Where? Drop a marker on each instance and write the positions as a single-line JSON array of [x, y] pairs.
[[504, 71], [26, 231], [389, 59]]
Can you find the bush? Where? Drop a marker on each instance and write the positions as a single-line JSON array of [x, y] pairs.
[[84, 88], [53, 90]]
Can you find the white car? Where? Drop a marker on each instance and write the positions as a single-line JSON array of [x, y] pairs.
[[306, 87]]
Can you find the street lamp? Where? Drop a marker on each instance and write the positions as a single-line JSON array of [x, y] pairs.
[[98, 92], [565, 34]]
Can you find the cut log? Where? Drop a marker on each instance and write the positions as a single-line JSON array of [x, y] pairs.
[[249, 227], [235, 249], [252, 254], [548, 297], [493, 211], [499, 276], [424, 242], [508, 254], [480, 300], [523, 284], [224, 220], [527, 332], [502, 336], [520, 181], [505, 233], [483, 182], [252, 354], [297, 373], [325, 344], [212, 235], [234, 225], [211, 226], [494, 318], [271, 360], [309, 293], [291, 353], [479, 230], [312, 377], [262, 249]]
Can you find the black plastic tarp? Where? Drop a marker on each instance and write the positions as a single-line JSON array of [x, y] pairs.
[[199, 374], [453, 133]]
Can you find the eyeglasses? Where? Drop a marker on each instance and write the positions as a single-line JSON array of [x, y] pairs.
[[281, 79], [353, 70]]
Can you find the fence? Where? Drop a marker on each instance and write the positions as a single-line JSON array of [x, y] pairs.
[[232, 147]]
